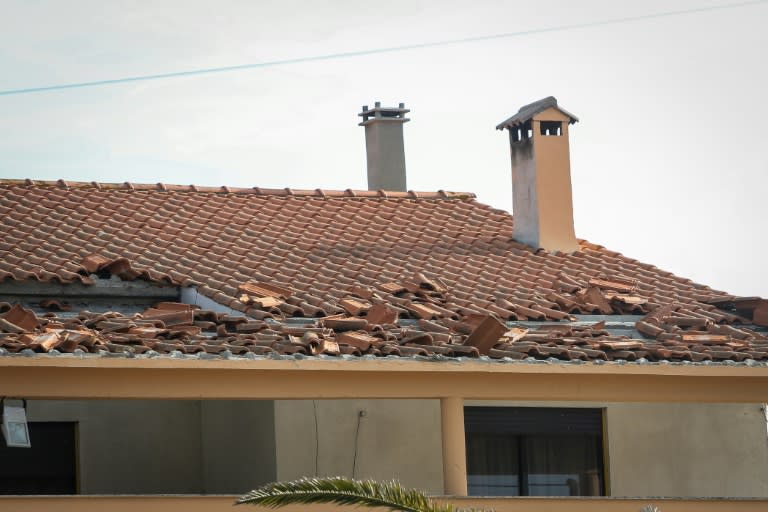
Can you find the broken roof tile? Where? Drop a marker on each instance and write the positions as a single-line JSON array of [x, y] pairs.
[[486, 334], [359, 340], [393, 288], [238, 336], [94, 262], [262, 289], [382, 314], [344, 324], [423, 311], [21, 318], [354, 307], [760, 314], [170, 317]]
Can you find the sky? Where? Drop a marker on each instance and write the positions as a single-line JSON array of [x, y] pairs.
[[669, 162]]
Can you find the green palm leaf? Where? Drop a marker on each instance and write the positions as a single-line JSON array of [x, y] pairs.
[[342, 491]]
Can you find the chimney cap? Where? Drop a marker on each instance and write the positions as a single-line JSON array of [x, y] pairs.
[[379, 113], [526, 112]]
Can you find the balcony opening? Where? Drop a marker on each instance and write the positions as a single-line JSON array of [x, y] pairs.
[[49, 466], [143, 447]]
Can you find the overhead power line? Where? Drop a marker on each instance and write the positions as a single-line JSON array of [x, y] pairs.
[[374, 51]]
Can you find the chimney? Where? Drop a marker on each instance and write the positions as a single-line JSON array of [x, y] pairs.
[[541, 176], [384, 146]]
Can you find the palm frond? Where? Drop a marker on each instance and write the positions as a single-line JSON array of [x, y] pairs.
[[342, 491]]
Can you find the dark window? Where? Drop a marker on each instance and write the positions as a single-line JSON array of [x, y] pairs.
[[527, 451], [551, 128], [48, 467]]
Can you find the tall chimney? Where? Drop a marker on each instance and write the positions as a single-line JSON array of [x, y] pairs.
[[384, 146], [541, 176]]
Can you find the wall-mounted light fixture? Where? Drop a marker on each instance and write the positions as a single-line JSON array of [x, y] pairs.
[[15, 430]]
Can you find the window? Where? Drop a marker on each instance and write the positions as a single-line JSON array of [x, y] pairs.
[[48, 467], [527, 451]]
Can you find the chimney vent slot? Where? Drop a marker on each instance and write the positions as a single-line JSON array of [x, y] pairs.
[[521, 132], [551, 128]]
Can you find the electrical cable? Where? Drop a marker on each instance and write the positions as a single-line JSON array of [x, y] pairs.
[[360, 415], [374, 51], [317, 440]]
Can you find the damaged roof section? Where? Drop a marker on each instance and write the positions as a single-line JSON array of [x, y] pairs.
[[335, 273], [670, 333]]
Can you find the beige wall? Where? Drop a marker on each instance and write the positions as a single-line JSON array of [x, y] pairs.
[[167, 446], [688, 450], [398, 439]]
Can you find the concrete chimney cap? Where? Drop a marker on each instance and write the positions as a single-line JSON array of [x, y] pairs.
[[379, 113], [526, 112]]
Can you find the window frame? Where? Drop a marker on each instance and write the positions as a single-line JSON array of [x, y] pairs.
[[526, 422]]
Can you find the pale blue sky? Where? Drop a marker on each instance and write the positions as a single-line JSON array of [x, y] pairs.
[[669, 162]]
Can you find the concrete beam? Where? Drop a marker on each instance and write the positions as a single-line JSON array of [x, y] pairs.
[[67, 377], [114, 287], [526, 504]]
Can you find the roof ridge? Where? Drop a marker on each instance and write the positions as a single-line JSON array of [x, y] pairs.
[[164, 187]]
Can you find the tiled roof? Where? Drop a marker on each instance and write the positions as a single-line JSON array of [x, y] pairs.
[[356, 261]]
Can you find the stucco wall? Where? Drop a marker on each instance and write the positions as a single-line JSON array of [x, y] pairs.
[[397, 439], [131, 446], [238, 445], [167, 446], [688, 450]]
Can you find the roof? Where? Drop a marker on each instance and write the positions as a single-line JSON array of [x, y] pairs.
[[526, 112], [435, 274]]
